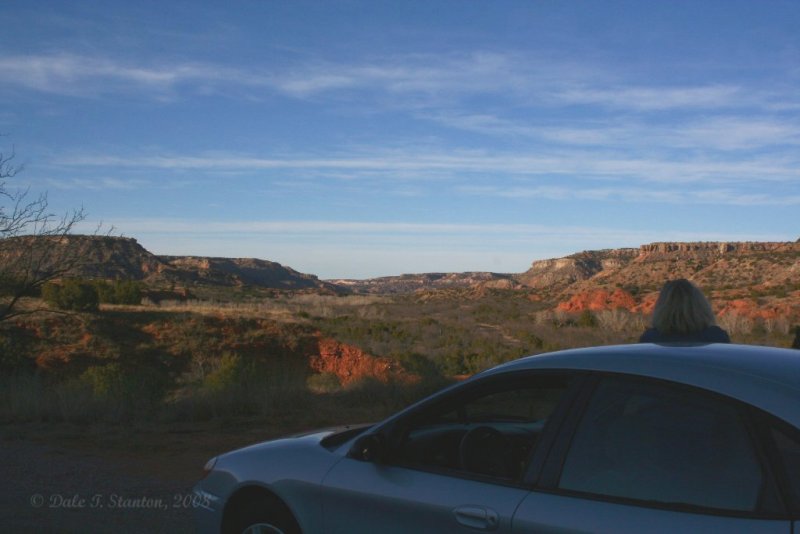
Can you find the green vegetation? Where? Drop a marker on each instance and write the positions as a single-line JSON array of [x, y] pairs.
[[119, 292], [206, 361], [73, 294], [76, 294]]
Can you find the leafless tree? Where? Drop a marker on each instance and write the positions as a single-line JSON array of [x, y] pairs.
[[33, 241]]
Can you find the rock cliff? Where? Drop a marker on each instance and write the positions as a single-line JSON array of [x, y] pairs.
[[755, 279], [120, 258]]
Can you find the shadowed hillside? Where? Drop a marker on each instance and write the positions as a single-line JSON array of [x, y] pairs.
[[119, 258]]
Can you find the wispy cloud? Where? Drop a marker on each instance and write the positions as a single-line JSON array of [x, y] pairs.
[[723, 132], [738, 133], [677, 196], [79, 75], [419, 164], [97, 184], [659, 98], [428, 74], [76, 75], [418, 79]]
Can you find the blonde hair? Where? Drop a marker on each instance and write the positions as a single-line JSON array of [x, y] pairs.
[[682, 308]]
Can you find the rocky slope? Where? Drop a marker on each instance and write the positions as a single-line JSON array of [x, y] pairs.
[[560, 272], [351, 364], [748, 277], [751, 279], [240, 272], [729, 264], [119, 258], [411, 283]]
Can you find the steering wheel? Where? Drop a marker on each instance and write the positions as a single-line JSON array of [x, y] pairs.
[[486, 451]]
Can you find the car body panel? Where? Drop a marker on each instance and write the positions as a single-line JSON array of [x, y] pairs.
[[290, 468], [328, 491], [548, 513], [363, 497]]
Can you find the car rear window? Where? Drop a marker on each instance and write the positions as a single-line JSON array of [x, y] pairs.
[[664, 445]]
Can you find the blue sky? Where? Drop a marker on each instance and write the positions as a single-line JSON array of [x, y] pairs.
[[369, 138]]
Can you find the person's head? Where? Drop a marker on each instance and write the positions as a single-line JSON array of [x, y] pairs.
[[682, 308]]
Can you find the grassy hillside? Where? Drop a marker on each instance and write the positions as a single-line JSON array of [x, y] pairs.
[[215, 338], [193, 361]]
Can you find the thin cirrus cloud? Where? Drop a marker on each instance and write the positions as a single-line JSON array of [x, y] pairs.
[[422, 73], [76, 75], [571, 176], [676, 196], [97, 184], [653, 99], [725, 133], [421, 164], [531, 82]]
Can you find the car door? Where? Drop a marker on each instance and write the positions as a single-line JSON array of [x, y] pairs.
[[650, 456], [453, 465], [783, 446]]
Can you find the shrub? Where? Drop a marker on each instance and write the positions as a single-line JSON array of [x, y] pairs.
[[119, 292], [228, 374], [74, 295], [126, 392], [419, 364], [50, 293], [11, 285], [324, 383], [587, 319], [128, 292], [12, 359], [105, 291]]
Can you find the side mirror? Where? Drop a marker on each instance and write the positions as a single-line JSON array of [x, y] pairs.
[[369, 448]]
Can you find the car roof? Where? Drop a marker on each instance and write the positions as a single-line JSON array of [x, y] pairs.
[[766, 377]]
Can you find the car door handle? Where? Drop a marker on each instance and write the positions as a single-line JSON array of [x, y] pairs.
[[477, 517]]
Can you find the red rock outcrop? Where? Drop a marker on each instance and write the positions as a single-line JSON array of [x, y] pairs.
[[351, 364], [753, 310], [598, 299]]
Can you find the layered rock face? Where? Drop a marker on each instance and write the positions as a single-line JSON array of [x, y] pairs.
[[88, 256], [645, 265], [119, 258], [554, 273], [717, 247], [746, 278], [240, 272]]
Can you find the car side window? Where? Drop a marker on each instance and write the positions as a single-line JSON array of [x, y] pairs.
[[490, 432], [661, 444], [789, 452]]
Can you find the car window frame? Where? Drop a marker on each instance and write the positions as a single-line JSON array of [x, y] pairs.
[[765, 424], [549, 475], [394, 431]]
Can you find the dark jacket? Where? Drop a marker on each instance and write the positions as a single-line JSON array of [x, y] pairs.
[[712, 334]]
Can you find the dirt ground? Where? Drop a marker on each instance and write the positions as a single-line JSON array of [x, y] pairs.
[[66, 479]]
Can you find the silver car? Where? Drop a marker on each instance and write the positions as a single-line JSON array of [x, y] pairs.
[[634, 438]]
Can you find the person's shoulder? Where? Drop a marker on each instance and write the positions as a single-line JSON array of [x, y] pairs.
[[716, 334], [650, 335]]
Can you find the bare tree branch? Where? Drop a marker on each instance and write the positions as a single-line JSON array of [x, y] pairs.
[[34, 243]]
